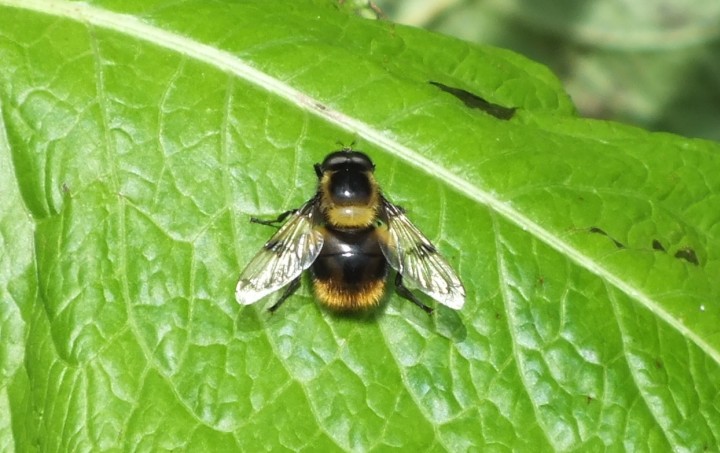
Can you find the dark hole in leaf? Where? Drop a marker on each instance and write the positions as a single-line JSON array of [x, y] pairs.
[[597, 230], [656, 245], [476, 102], [687, 254]]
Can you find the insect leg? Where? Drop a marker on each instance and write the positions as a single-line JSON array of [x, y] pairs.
[[274, 222], [405, 293], [289, 291]]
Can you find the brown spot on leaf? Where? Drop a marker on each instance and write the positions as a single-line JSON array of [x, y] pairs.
[[597, 230], [476, 102], [657, 245], [687, 254]]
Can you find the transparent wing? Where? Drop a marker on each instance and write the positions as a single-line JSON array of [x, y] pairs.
[[411, 254], [283, 258]]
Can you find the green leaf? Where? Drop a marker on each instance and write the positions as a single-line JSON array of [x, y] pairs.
[[649, 63], [136, 138]]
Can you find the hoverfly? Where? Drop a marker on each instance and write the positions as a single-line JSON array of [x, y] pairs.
[[348, 234]]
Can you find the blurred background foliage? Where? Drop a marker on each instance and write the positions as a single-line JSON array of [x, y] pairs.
[[652, 63]]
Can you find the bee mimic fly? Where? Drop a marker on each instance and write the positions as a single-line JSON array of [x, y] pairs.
[[348, 234]]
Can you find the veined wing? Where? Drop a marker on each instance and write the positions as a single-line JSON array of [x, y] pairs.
[[411, 254], [283, 258]]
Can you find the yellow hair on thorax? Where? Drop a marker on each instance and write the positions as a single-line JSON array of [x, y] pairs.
[[349, 215]]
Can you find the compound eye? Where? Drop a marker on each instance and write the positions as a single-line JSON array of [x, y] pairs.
[[344, 159]]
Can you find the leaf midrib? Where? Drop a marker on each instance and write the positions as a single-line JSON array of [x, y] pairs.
[[225, 61]]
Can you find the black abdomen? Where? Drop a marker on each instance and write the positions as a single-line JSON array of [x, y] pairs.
[[350, 271]]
